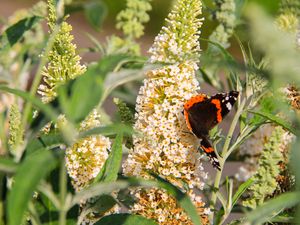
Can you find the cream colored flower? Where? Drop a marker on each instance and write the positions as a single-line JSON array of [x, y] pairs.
[[84, 160], [63, 61], [178, 41], [157, 204], [86, 157], [165, 146]]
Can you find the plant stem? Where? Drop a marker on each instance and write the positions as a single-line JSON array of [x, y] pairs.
[[46, 189], [223, 154], [2, 177], [63, 193], [38, 75], [34, 215]]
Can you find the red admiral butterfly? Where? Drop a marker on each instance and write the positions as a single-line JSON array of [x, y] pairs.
[[202, 113]]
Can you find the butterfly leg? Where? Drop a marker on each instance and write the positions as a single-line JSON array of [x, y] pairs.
[[210, 152]]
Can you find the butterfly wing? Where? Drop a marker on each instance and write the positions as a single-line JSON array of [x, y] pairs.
[[224, 102], [201, 117], [210, 152], [203, 113]]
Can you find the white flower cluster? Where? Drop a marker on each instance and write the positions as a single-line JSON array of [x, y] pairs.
[[178, 41], [155, 203], [166, 146], [86, 157]]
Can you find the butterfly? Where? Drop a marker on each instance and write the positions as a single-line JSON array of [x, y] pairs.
[[202, 113]]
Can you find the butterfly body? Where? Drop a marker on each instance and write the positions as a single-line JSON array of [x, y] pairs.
[[202, 113]]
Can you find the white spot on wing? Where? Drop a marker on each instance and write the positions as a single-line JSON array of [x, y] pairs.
[[229, 106]]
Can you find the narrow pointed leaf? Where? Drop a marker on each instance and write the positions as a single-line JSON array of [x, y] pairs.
[[269, 209], [275, 119], [106, 188], [8, 166], [95, 12], [45, 141], [28, 176], [242, 188], [49, 112], [15, 32], [109, 171]]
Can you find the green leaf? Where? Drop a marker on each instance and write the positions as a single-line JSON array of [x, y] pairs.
[[95, 13], [207, 78], [183, 200], [86, 91], [8, 166], [46, 109], [101, 206], [106, 188], [79, 97], [294, 160], [67, 131], [15, 32], [100, 189], [295, 166], [109, 171], [44, 142], [125, 219], [116, 79], [242, 188], [108, 130], [239, 5], [230, 62], [286, 219], [28, 176], [222, 200], [228, 57], [272, 207], [274, 119]]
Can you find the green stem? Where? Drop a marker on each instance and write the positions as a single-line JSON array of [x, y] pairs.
[[34, 215], [38, 75], [2, 177], [225, 156], [46, 189], [63, 193]]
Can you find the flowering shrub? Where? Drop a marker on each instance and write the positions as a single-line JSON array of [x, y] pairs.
[[65, 160]]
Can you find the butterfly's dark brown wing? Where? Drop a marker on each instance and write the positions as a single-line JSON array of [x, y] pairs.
[[203, 113], [226, 101], [210, 152], [202, 117]]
